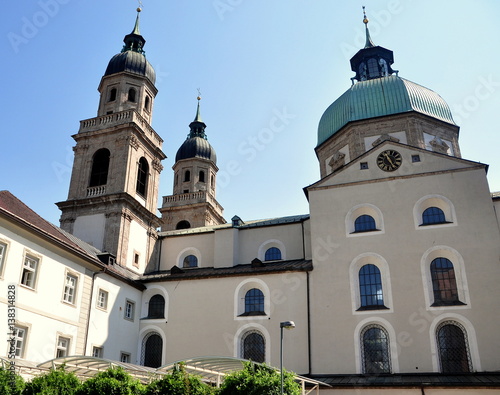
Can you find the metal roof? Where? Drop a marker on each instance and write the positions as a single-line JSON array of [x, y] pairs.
[[238, 270], [406, 380], [213, 369], [379, 97], [85, 366]]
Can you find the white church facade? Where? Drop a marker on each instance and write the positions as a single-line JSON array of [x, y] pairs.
[[391, 279]]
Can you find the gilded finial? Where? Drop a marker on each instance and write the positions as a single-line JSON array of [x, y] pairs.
[[365, 19], [369, 42], [199, 95], [139, 9]]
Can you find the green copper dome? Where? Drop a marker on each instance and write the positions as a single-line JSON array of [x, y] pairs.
[[379, 97]]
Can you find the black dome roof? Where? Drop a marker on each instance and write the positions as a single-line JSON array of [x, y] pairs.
[[196, 147], [132, 62]]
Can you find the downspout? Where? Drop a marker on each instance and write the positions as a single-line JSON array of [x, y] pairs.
[[308, 326], [90, 309], [160, 241], [303, 241]]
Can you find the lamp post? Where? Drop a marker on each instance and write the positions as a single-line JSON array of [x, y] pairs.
[[286, 325]]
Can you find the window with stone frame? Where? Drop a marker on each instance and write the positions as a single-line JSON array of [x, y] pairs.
[[444, 283], [70, 287], [30, 271], [453, 348], [375, 350], [100, 167], [62, 348], [253, 346], [142, 177]]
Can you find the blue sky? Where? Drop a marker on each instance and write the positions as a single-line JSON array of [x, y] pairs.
[[254, 61]]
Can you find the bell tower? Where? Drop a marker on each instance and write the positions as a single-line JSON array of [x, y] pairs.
[[113, 190], [193, 202]]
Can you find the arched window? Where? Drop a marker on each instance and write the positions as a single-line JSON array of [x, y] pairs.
[[100, 166], [370, 288], [131, 95], [187, 176], [373, 70], [364, 223], [444, 284], [112, 94], [147, 103], [201, 176], [142, 177], [156, 307], [272, 254], [454, 356], [254, 302], [190, 261], [183, 225], [152, 349], [375, 350], [433, 215], [253, 347]]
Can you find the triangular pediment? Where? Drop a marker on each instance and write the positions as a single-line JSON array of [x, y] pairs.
[[402, 161]]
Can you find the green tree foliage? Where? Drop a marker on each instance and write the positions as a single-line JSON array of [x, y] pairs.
[[257, 380], [10, 384], [114, 381], [56, 382], [179, 382]]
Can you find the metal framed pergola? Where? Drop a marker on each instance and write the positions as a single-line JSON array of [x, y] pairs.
[[211, 369]]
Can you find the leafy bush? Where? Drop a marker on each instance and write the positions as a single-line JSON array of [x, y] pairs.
[[257, 380], [10, 384], [114, 381], [57, 382], [179, 382]]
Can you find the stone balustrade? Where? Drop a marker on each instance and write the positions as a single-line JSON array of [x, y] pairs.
[[119, 118], [96, 191]]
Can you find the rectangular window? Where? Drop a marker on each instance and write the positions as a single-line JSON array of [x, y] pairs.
[[70, 289], [19, 335], [3, 250], [97, 352], [30, 268], [102, 299], [129, 310], [62, 349], [125, 357]]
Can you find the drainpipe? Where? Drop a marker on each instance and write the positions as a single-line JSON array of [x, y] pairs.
[[308, 325], [90, 309]]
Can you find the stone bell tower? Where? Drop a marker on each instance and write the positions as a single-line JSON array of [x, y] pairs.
[[193, 202], [113, 192]]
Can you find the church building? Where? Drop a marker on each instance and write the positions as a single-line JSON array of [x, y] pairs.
[[391, 280]]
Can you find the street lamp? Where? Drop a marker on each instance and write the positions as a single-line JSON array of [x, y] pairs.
[[286, 325]]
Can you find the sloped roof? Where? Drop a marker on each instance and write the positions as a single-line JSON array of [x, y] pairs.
[[16, 209], [238, 270], [410, 380]]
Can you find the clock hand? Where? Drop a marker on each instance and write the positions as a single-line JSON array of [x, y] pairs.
[[388, 159]]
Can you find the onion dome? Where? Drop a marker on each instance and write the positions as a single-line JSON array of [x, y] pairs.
[[132, 58], [196, 145], [379, 91]]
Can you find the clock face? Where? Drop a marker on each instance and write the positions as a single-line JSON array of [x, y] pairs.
[[389, 160]]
